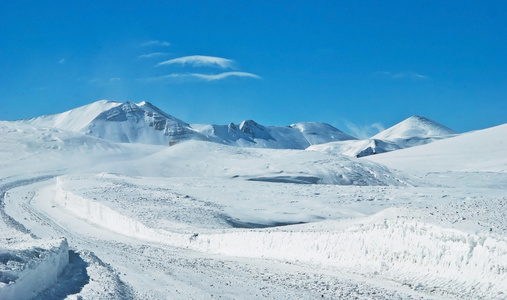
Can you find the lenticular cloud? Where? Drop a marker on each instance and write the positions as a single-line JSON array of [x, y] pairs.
[[200, 61]]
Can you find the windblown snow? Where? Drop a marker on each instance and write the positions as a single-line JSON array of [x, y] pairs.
[[94, 204]]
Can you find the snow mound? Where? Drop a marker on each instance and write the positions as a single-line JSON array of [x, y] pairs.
[[483, 150], [358, 148], [205, 159], [31, 267]]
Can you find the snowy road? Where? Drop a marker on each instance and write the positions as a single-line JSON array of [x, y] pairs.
[[146, 270]]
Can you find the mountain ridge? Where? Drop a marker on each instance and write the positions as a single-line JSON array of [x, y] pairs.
[[143, 122]]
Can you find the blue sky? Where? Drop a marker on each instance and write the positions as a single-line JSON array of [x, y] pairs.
[[358, 65]]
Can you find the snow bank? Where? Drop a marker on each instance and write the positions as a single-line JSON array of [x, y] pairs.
[[418, 254], [424, 256], [100, 214], [31, 267]]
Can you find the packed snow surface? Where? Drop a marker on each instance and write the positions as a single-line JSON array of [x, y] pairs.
[[83, 216]]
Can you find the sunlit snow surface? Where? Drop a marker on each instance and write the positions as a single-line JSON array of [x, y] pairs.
[[83, 218]]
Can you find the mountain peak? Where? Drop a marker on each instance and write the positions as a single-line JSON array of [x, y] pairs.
[[415, 127], [254, 129]]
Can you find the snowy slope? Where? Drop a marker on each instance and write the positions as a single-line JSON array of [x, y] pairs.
[[41, 151], [73, 120], [482, 150]]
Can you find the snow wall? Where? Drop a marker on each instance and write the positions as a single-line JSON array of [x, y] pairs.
[[31, 267]]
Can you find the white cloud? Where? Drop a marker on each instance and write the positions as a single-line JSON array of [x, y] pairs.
[[154, 54], [61, 61], [200, 61], [205, 77], [224, 75], [364, 131], [156, 43]]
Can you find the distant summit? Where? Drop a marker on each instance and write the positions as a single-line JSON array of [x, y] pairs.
[[411, 132], [251, 134], [415, 126]]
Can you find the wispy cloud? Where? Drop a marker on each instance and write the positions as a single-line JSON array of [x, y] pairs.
[[205, 77], [399, 75], [211, 77], [61, 61], [156, 43], [154, 54], [200, 61], [364, 131]]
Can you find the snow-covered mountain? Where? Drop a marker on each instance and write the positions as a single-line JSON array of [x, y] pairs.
[[121, 122], [144, 123], [414, 131], [251, 134]]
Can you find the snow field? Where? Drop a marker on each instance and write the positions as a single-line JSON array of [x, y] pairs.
[[422, 255], [206, 159]]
